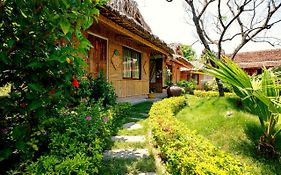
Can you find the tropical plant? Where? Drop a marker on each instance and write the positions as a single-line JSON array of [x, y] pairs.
[[189, 86], [42, 56], [259, 94]]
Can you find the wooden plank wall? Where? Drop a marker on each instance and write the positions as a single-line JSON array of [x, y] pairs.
[[116, 41]]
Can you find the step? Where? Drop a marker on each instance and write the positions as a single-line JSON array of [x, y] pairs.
[[128, 138], [148, 173], [126, 153], [143, 114], [132, 126], [134, 118]]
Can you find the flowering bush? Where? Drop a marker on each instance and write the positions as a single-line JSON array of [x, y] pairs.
[[41, 56], [77, 138]]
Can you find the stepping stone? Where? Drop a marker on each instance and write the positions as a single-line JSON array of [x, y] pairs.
[[128, 138], [126, 153], [148, 173], [144, 114], [132, 126], [134, 118]]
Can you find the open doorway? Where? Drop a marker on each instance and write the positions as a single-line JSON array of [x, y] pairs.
[[97, 55], [155, 75]]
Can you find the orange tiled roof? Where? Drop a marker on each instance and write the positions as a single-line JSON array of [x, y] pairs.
[[267, 58]]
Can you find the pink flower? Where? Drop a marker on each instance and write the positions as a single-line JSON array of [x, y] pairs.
[[105, 119], [88, 118]]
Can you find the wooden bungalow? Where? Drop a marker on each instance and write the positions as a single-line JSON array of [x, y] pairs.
[[126, 50], [253, 62], [184, 69]]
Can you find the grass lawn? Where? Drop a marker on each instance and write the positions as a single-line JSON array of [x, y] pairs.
[[224, 122]]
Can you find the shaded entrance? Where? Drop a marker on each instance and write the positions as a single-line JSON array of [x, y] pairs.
[[97, 55], [156, 73]]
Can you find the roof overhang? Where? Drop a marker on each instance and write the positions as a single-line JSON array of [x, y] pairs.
[[134, 27]]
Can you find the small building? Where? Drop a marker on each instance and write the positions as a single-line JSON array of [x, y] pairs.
[[133, 59], [184, 69], [253, 62]]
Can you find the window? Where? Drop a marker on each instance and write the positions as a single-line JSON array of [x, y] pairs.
[[131, 64]]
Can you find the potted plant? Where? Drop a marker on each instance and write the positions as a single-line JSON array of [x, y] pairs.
[[151, 93]]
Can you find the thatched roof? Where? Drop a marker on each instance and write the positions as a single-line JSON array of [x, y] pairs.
[[126, 14], [130, 9], [258, 59], [179, 55]]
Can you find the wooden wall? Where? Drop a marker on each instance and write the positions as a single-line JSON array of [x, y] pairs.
[[116, 41]]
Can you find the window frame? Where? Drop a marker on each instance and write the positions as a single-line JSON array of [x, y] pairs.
[[132, 52]]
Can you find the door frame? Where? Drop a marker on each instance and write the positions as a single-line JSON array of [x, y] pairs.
[[107, 60]]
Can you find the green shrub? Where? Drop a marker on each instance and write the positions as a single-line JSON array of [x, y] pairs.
[[79, 164], [42, 55], [200, 93], [184, 151], [101, 89], [77, 138], [188, 86], [211, 85]]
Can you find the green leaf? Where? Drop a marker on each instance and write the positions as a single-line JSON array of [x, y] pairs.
[[65, 26], [23, 14], [35, 87], [35, 105], [4, 58], [5, 153], [35, 65]]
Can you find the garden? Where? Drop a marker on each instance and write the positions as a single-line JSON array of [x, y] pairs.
[[236, 134], [57, 119]]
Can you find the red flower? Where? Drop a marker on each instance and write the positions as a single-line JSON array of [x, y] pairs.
[[75, 83], [52, 91]]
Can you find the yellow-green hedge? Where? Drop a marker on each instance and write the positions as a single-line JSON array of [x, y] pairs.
[[184, 151], [200, 93]]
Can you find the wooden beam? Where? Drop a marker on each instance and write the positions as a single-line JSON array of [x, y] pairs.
[[124, 31]]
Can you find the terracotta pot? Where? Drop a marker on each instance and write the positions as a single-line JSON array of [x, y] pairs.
[[174, 90]]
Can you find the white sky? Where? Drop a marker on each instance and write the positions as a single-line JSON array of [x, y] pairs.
[[167, 21]]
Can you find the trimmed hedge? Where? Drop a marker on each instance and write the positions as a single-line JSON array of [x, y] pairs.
[[199, 93], [184, 151]]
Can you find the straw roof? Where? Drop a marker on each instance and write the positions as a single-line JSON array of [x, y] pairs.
[[130, 9], [178, 56], [126, 14], [258, 59]]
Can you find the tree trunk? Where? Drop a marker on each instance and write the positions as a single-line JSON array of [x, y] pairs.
[[220, 87], [266, 146]]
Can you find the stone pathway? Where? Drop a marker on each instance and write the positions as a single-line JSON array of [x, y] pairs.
[[129, 153], [128, 138], [132, 126]]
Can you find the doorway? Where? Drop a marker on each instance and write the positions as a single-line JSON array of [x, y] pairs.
[[97, 55], [155, 75]]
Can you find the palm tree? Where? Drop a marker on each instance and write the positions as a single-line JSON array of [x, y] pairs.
[[260, 95]]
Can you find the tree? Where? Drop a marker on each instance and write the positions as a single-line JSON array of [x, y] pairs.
[[41, 56], [220, 22], [260, 95], [188, 52]]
